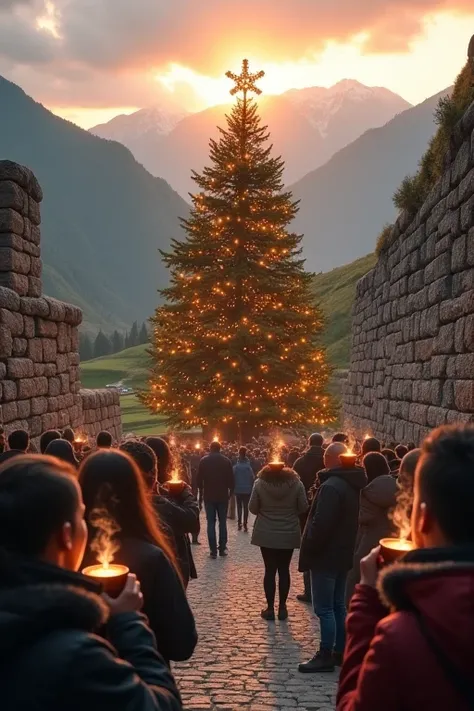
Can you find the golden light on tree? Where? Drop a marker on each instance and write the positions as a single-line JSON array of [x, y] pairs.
[[236, 345]]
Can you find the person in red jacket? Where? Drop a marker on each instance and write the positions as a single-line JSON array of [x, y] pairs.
[[410, 646]]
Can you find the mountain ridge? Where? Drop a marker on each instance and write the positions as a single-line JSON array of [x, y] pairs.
[[322, 121], [346, 202], [103, 216]]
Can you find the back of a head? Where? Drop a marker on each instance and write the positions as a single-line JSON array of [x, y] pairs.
[[215, 447], [332, 454], [110, 478], [163, 456], [37, 496], [104, 440], [340, 437], [316, 440], [401, 450], [62, 449], [48, 437], [371, 444], [143, 456], [19, 440], [389, 454], [68, 435], [375, 465], [408, 466], [242, 452], [445, 476]]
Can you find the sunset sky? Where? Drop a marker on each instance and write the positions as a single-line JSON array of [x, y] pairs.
[[88, 60]]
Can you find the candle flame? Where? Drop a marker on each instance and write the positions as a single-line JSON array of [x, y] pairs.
[[216, 438], [175, 476], [104, 544], [172, 442], [197, 445], [366, 436]]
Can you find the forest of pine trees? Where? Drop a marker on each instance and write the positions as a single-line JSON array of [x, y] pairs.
[[104, 345]]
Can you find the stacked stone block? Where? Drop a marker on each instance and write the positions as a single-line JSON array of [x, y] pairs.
[[39, 341], [412, 355]]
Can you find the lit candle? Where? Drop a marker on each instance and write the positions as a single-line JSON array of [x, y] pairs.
[[394, 548], [112, 577], [348, 459], [197, 445]]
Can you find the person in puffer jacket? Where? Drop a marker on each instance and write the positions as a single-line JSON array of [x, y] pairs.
[[410, 628], [244, 480]]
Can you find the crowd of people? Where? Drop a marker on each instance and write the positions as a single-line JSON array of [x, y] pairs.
[[407, 640]]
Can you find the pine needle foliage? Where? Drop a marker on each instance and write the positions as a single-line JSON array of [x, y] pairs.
[[237, 343]]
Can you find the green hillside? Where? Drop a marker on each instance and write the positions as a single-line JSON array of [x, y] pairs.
[[335, 292], [130, 368]]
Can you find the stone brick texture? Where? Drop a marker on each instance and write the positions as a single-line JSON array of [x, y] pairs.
[[412, 353], [39, 359]]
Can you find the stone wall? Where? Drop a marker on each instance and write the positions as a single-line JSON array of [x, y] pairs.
[[412, 357], [39, 341]]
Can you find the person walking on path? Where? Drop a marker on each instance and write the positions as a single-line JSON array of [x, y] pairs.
[[215, 482], [278, 500], [244, 480], [307, 468], [410, 641], [327, 551], [376, 501]]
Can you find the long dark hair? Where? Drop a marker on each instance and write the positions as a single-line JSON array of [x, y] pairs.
[[37, 496], [163, 456], [110, 479]]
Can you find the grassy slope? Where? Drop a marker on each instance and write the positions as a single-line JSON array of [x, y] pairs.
[[129, 367], [335, 291]]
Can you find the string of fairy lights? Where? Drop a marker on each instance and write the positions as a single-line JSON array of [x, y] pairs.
[[238, 337]]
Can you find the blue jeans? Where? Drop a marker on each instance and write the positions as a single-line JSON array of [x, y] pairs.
[[328, 592], [214, 511]]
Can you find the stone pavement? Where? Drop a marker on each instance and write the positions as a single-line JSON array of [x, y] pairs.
[[243, 662]]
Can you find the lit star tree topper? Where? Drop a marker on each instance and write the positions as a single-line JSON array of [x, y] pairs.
[[245, 81], [236, 346]]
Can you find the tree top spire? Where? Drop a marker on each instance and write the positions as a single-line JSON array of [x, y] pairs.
[[245, 81]]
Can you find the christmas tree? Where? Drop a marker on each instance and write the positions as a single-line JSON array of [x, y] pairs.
[[236, 346]]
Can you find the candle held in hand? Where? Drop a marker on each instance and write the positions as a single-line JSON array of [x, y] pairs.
[[393, 549], [112, 577]]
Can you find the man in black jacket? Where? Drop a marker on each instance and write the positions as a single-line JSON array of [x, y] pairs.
[[307, 468], [18, 443], [63, 647], [327, 551], [215, 482]]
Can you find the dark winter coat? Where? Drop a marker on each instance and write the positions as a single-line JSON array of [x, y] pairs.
[[331, 530], [376, 501], [51, 658], [309, 465], [278, 499], [164, 599], [179, 516], [215, 479], [243, 476], [389, 663]]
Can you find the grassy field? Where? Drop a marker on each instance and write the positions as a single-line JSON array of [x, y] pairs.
[[130, 368], [334, 291]]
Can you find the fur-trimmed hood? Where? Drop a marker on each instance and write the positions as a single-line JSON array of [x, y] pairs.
[[277, 483], [439, 583], [37, 599]]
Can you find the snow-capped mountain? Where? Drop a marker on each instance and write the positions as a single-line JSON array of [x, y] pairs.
[[307, 126], [154, 120]]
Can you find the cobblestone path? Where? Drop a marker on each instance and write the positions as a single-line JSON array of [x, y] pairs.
[[243, 662]]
